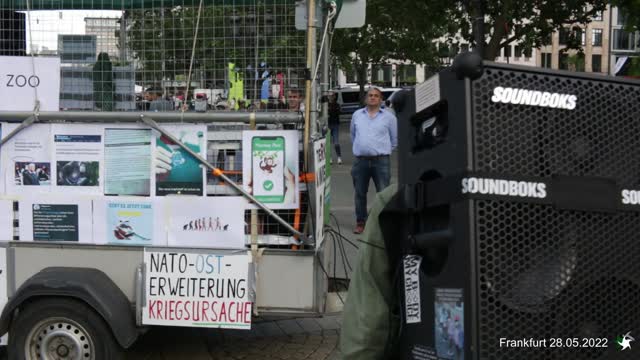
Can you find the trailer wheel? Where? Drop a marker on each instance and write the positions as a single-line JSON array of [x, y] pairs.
[[61, 328]]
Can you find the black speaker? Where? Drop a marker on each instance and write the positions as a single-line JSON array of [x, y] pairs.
[[12, 33], [515, 233]]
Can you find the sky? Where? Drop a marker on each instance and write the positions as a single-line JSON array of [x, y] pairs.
[[46, 25]]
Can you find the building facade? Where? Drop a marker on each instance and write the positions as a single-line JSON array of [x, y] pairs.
[[104, 29], [595, 42]]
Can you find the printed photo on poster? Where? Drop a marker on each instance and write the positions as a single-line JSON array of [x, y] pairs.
[[26, 160], [79, 154], [213, 222], [78, 173], [270, 167], [177, 171], [127, 157], [449, 326], [32, 173], [52, 220], [128, 221]]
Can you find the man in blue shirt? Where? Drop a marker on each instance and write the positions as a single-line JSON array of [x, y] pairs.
[[374, 135]]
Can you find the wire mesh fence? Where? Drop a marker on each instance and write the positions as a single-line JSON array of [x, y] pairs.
[[173, 56], [162, 55]]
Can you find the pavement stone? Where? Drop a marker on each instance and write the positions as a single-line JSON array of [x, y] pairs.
[[291, 339]]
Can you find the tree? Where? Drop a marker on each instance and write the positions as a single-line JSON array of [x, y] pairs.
[[392, 31], [531, 23]]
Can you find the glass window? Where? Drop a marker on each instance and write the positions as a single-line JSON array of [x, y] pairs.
[[597, 16], [563, 36], [527, 52], [622, 17], [381, 74], [596, 63], [563, 61], [623, 40], [406, 75], [596, 37], [518, 51], [507, 51], [546, 60]]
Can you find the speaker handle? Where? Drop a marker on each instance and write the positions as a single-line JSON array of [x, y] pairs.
[[423, 242]]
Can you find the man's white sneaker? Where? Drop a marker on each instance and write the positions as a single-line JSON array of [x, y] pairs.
[[339, 160]]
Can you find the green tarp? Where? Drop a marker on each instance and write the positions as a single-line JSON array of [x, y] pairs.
[[21, 5]]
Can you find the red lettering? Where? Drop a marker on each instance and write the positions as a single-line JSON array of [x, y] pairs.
[[223, 312], [214, 316], [151, 306], [240, 313], [247, 312], [159, 308], [171, 309], [179, 311], [205, 307], [232, 318], [186, 310]]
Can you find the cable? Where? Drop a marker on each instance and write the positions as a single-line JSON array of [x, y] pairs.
[[36, 104], [193, 54], [327, 275], [332, 13]]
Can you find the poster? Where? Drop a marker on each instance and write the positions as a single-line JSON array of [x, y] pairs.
[[319, 164], [202, 289], [127, 158], [78, 158], [176, 171], [214, 222], [26, 159], [20, 83], [449, 326], [6, 220], [129, 221], [270, 167], [55, 220]]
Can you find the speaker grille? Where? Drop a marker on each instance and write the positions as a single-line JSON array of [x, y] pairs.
[[545, 273], [600, 137]]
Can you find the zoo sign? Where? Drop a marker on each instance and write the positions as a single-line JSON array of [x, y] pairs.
[[25, 79]]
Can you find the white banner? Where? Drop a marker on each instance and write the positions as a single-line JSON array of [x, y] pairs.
[[202, 289], [319, 165], [19, 82]]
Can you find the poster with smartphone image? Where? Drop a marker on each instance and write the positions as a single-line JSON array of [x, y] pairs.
[[270, 167], [176, 171]]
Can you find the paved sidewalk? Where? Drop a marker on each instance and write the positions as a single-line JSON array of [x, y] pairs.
[[300, 338]]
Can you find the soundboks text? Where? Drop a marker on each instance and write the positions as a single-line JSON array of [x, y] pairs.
[[507, 95], [485, 186]]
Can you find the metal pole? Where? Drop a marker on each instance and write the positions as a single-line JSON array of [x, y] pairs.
[[25, 124], [113, 116], [325, 73], [311, 64], [217, 172]]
